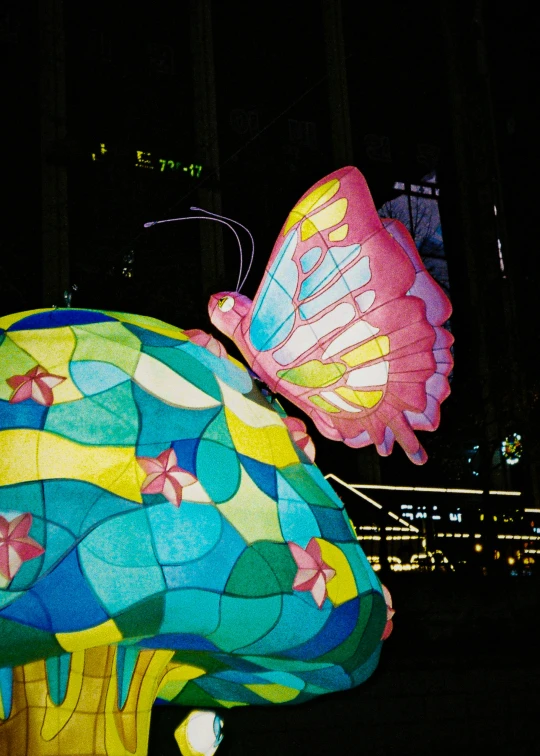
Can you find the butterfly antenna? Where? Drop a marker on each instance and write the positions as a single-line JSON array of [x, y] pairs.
[[223, 218], [217, 219]]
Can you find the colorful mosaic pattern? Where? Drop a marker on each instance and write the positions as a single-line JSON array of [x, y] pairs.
[[154, 505], [346, 322]]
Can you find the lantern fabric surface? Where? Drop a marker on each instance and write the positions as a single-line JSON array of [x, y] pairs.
[[162, 537], [346, 322]]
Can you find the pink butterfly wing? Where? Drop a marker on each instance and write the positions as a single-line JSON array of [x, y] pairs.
[[346, 322]]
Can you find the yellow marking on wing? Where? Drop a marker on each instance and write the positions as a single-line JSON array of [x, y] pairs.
[[325, 218], [361, 398], [372, 350], [339, 233], [315, 199], [321, 403], [274, 692]]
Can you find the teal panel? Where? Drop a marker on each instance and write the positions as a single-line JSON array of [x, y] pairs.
[[59, 542], [223, 368], [363, 572], [184, 533], [188, 367], [58, 677], [161, 423], [191, 611], [218, 431], [22, 497], [6, 690], [245, 620], [119, 561], [300, 621], [110, 418], [126, 660], [218, 470]]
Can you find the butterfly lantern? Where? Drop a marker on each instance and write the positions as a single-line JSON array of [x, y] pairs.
[[347, 322]]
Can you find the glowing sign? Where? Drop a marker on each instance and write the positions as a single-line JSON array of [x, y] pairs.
[[147, 161]]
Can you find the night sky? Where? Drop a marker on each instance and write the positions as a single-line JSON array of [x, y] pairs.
[[130, 88]]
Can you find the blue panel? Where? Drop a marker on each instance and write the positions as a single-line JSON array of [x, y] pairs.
[[93, 376], [186, 453], [332, 524], [335, 260], [213, 570], [273, 317], [352, 279], [28, 610], [59, 319], [340, 625], [65, 598], [177, 641], [27, 414], [262, 474], [310, 259], [295, 516]]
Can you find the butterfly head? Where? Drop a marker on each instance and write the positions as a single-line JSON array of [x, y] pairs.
[[227, 309]]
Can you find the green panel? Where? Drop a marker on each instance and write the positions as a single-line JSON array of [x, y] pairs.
[[192, 695], [22, 644], [218, 430], [107, 342], [13, 361], [278, 556], [314, 374], [252, 576], [142, 619], [298, 477], [371, 637], [203, 659]]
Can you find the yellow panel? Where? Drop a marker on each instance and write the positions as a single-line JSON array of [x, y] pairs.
[[29, 454], [274, 692], [372, 350], [52, 349], [339, 233], [318, 401], [175, 680], [325, 218], [271, 445], [163, 382], [101, 635], [362, 398], [315, 199], [252, 513], [151, 324], [56, 717], [8, 320], [248, 412], [342, 587]]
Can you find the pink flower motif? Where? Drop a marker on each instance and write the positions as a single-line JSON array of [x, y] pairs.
[[389, 613], [16, 547], [36, 384], [164, 476], [313, 574], [206, 340], [300, 436]]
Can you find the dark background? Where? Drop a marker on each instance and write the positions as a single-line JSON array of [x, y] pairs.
[[267, 99]]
